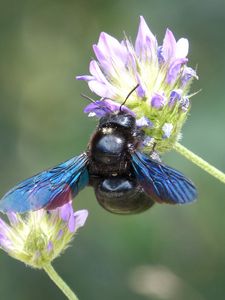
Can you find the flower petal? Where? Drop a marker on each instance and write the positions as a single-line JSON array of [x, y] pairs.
[[60, 234], [84, 77], [187, 75], [167, 129], [144, 33], [5, 243], [174, 69], [14, 219], [141, 89], [4, 227], [96, 71], [65, 211], [80, 217], [158, 100], [111, 46], [102, 89], [160, 56], [5, 230], [182, 48], [131, 56], [175, 96], [106, 65], [102, 107], [71, 223], [50, 246], [185, 103], [169, 45], [144, 122], [99, 108], [110, 53]]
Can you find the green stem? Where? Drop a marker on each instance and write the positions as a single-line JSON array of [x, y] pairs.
[[59, 282], [200, 162]]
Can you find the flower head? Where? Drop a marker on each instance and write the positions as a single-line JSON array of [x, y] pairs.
[[161, 73], [40, 236]]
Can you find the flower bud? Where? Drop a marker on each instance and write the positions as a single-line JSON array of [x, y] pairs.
[[38, 237]]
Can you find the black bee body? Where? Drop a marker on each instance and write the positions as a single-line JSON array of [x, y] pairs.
[[110, 169], [125, 179], [111, 144]]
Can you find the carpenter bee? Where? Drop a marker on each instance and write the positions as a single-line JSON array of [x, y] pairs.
[[125, 180]]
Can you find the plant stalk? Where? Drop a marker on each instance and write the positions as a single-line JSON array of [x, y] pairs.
[[200, 162], [59, 282]]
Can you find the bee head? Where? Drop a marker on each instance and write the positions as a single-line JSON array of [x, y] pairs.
[[120, 119]]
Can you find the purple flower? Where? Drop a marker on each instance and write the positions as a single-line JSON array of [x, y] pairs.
[[185, 103], [73, 219], [40, 236], [158, 100], [174, 70], [171, 49], [98, 82], [187, 75], [161, 58], [103, 107], [167, 130], [144, 122], [146, 43], [162, 75], [120, 66], [175, 96]]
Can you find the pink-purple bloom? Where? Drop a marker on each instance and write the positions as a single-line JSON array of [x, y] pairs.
[[158, 100], [185, 103], [187, 76], [103, 107], [40, 236], [114, 56], [159, 70], [167, 130], [175, 96], [143, 122]]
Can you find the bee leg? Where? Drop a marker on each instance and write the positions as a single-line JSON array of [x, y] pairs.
[[154, 154]]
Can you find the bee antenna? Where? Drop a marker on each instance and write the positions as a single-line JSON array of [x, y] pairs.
[[128, 96], [88, 98]]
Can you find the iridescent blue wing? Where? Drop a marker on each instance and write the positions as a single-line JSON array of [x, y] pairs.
[[162, 183], [48, 189]]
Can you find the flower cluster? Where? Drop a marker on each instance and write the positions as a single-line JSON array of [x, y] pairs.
[[161, 101], [39, 237]]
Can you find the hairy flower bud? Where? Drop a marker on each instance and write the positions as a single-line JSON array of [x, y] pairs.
[[39, 237]]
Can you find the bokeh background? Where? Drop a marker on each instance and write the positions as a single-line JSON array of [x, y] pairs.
[[168, 253]]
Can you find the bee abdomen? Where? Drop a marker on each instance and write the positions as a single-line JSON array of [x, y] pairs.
[[122, 196]]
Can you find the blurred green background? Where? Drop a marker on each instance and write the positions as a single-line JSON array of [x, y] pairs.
[[168, 253]]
